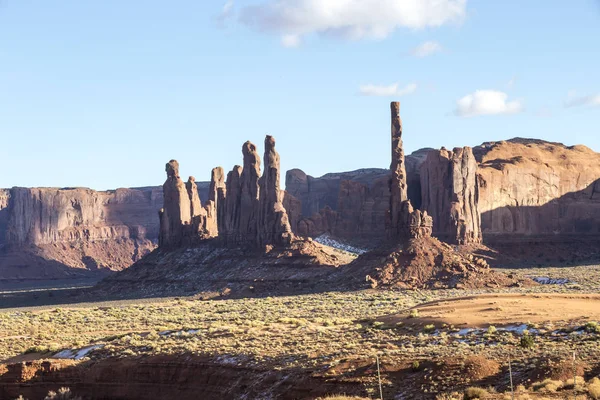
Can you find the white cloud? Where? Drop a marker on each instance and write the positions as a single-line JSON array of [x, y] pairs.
[[391, 90], [486, 102], [351, 19], [577, 101], [426, 49], [290, 40], [226, 12]]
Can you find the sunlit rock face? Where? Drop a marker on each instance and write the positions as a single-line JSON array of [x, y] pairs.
[[450, 194]]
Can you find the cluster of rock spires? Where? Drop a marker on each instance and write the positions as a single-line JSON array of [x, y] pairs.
[[247, 209]]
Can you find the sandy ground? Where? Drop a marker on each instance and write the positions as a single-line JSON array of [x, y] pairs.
[[505, 309]]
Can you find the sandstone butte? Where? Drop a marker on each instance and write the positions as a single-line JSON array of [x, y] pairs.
[[526, 191]]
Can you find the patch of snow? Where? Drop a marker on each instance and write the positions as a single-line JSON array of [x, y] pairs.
[[77, 354], [326, 240], [518, 329], [228, 360], [545, 280], [465, 331], [179, 333]]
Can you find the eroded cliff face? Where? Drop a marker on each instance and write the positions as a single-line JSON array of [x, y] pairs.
[[531, 187], [52, 233], [353, 205], [47, 231], [450, 194]]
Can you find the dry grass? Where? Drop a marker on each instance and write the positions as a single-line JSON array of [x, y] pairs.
[[593, 388], [319, 331]]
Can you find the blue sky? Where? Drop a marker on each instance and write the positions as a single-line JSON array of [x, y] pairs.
[[103, 93]]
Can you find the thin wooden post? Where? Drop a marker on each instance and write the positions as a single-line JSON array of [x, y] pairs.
[[379, 378], [512, 389], [574, 377]]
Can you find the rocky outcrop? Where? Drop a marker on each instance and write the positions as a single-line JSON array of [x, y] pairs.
[[274, 226], [228, 224], [247, 219], [254, 213], [417, 224], [176, 215], [450, 194], [197, 212], [426, 263], [216, 195], [536, 190], [183, 220]]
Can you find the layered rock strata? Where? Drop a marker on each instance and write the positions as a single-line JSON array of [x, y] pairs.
[[450, 194]]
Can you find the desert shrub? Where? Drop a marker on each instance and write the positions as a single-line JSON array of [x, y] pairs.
[[475, 393], [429, 328], [343, 397], [378, 325], [63, 394], [414, 314], [592, 327], [416, 366], [527, 341], [491, 330], [570, 383], [547, 386], [448, 396], [594, 388]]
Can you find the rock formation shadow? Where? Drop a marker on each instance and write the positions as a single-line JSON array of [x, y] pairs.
[[197, 377], [562, 232]]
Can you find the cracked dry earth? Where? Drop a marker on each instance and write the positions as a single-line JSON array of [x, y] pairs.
[[430, 344]]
